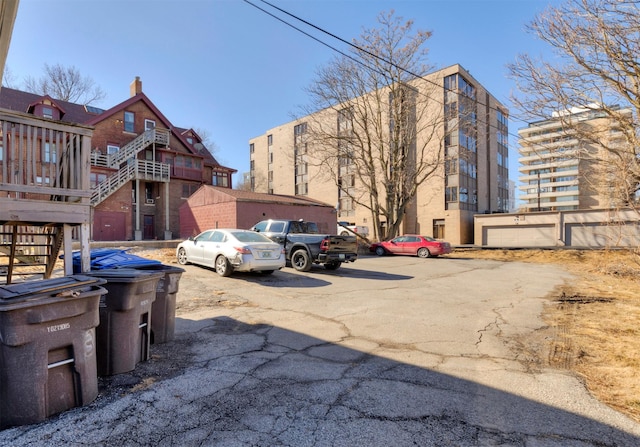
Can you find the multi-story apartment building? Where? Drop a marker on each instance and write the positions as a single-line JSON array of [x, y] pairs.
[[560, 170], [472, 175], [142, 166]]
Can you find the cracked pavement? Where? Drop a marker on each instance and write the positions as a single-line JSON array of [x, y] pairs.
[[386, 351]]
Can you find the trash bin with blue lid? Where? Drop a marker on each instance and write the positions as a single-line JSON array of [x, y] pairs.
[[106, 258], [163, 312], [48, 347], [124, 333]]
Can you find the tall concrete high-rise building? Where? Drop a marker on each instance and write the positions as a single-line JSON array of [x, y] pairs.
[[463, 131], [563, 168]]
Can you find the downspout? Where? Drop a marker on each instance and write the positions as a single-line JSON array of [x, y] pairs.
[[138, 233], [167, 230]]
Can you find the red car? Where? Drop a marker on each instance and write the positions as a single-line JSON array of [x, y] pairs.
[[412, 245]]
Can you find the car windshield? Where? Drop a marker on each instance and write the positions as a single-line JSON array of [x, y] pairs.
[[428, 238], [250, 236]]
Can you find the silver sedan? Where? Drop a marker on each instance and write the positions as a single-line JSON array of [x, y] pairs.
[[229, 250]]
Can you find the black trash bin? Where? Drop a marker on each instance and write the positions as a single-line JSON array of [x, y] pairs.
[[123, 336], [47, 347], [163, 311]]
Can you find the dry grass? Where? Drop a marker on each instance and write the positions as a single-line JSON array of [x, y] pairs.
[[594, 321]]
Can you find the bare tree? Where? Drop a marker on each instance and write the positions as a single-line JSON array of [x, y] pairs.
[[207, 141], [597, 71], [243, 184], [8, 78], [65, 84], [372, 122]]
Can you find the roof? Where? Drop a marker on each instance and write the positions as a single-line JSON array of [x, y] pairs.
[[23, 102], [248, 196]]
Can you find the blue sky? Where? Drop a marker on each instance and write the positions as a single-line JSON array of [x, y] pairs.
[[228, 68]]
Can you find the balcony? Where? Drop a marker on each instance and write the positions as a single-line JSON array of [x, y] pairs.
[[44, 190]]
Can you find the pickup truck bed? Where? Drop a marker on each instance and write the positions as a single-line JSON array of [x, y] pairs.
[[305, 246]]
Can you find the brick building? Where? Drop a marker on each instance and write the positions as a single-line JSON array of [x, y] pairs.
[[142, 166], [215, 207]]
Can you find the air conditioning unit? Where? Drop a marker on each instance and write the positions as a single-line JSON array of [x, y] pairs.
[[150, 201]]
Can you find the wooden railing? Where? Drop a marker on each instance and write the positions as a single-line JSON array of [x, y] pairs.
[[134, 169], [43, 160], [142, 141], [44, 193]]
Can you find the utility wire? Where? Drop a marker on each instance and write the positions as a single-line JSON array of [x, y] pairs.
[[362, 50]]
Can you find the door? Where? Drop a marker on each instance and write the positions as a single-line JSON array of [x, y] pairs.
[[438, 228], [149, 227], [109, 226], [213, 247]]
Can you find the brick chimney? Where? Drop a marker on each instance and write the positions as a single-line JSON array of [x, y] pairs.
[[135, 87]]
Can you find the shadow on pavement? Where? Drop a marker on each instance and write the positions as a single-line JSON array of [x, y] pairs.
[[226, 382]]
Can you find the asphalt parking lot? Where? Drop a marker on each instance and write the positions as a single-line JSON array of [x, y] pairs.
[[385, 351]]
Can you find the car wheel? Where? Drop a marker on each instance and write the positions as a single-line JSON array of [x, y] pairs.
[[332, 265], [301, 261], [424, 253], [266, 272], [223, 268], [379, 251], [182, 257], [344, 233]]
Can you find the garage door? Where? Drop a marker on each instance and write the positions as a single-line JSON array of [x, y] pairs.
[[598, 235], [520, 236]]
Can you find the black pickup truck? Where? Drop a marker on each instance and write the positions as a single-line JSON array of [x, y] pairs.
[[305, 245]]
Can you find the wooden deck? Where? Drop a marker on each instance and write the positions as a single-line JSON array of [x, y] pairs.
[[45, 194]]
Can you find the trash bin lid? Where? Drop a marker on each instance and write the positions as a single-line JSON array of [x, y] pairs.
[[96, 253], [161, 267], [33, 289], [119, 260], [125, 274]]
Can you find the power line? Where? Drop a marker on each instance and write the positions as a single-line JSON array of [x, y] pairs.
[[362, 50]]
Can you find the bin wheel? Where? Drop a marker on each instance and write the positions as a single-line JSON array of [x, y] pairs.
[[223, 268], [182, 257]]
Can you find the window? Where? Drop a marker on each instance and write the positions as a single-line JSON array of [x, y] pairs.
[[190, 140], [47, 112], [148, 192], [464, 196], [217, 236], [49, 153], [220, 179], [129, 119], [112, 148], [96, 179], [151, 124], [269, 140], [188, 189], [251, 148], [300, 129], [451, 194]]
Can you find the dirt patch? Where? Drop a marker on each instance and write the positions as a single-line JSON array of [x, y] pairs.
[[593, 321]]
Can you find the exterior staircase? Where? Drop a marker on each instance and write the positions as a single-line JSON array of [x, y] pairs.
[[129, 167]]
